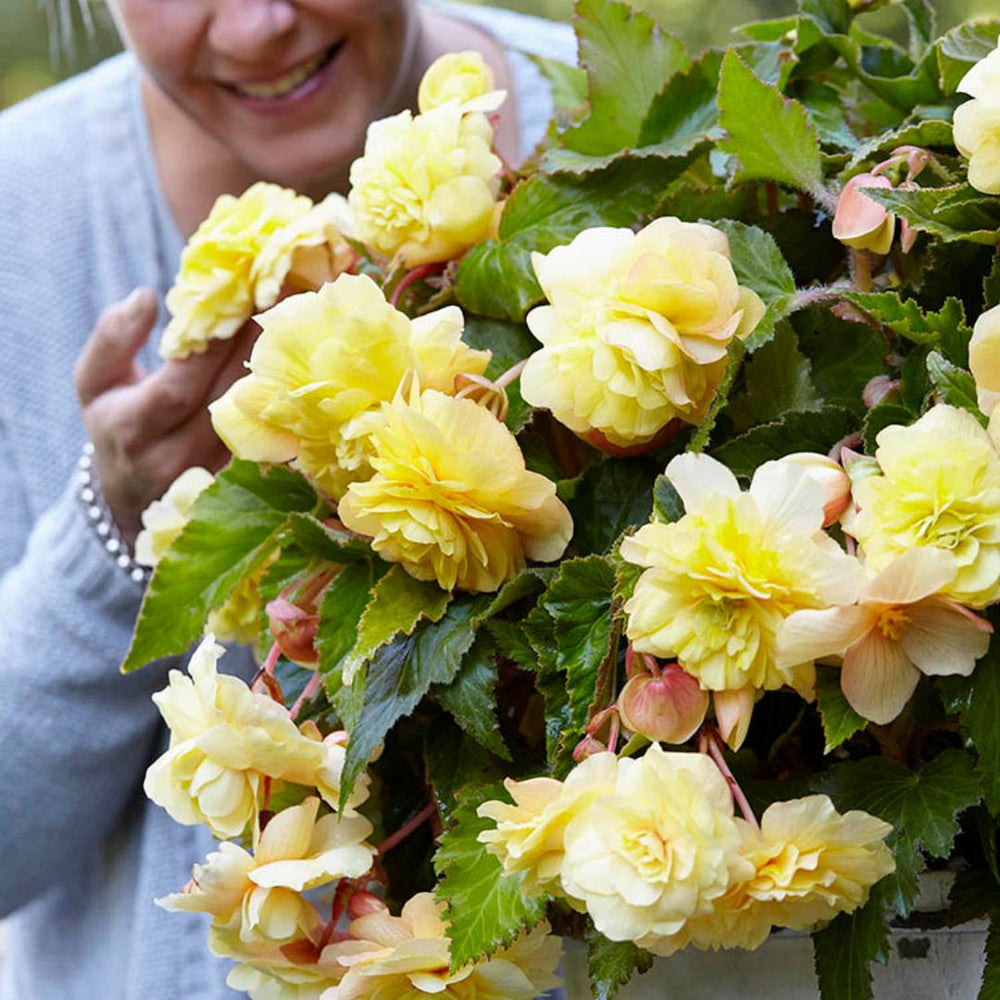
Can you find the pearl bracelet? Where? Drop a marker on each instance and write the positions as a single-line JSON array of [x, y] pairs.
[[101, 520]]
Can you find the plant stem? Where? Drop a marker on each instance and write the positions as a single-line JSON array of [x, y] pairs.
[[711, 741], [307, 692], [407, 828], [409, 278], [510, 375]]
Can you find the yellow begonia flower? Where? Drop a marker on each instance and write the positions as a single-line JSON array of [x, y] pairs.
[[451, 499], [637, 329], [529, 835], [977, 123], [260, 896], [223, 740], [462, 77], [163, 519], [940, 487], [425, 188], [898, 630], [242, 255], [721, 580], [984, 362], [409, 956], [655, 850], [325, 358]]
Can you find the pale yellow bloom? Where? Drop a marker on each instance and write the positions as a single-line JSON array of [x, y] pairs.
[[238, 619], [721, 580], [451, 498], [213, 293], [898, 630], [163, 519], [831, 476], [977, 123], [223, 740], [260, 896], [984, 362], [529, 835], [463, 77], [637, 328], [324, 359], [426, 186], [655, 851], [940, 487], [408, 957]]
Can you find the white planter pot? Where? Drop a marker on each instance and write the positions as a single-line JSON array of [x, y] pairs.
[[933, 964]]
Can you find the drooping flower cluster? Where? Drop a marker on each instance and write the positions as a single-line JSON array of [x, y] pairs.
[[244, 254], [977, 123], [637, 329], [650, 849]]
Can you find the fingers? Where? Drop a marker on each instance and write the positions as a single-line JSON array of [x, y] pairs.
[[108, 359]]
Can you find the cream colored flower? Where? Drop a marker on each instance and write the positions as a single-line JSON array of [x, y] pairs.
[[408, 957], [325, 359], [529, 835], [261, 896], [977, 123], [984, 362], [721, 580], [213, 293], [463, 77], [223, 740], [860, 221], [426, 186], [163, 519], [657, 850], [940, 487], [637, 328], [898, 630], [451, 499]]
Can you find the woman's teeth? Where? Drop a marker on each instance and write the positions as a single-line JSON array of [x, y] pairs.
[[282, 86]]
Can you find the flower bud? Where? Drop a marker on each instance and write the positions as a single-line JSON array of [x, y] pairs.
[[733, 711], [363, 903], [878, 389], [857, 466], [294, 631], [668, 708], [587, 747], [861, 222], [601, 442], [835, 482]]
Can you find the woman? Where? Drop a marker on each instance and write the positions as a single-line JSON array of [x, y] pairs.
[[101, 179]]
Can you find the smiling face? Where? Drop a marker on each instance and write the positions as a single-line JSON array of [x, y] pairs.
[[287, 86]]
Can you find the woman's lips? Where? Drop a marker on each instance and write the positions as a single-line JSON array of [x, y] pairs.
[[299, 81]]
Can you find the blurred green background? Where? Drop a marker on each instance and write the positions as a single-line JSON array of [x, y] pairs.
[[44, 40]]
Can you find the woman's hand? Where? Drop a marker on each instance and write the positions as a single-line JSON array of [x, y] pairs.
[[147, 429]]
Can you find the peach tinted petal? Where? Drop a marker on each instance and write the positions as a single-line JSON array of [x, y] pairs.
[[941, 639], [878, 678]]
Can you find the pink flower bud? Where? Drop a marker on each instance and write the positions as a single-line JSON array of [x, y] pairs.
[[668, 708], [587, 747], [829, 475], [861, 222], [364, 903], [294, 631], [878, 390], [733, 711], [664, 436]]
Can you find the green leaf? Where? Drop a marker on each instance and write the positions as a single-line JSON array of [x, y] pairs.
[[777, 382], [398, 604], [234, 526], [906, 318], [734, 362], [930, 132], [962, 47], [510, 343], [401, 673], [611, 964], [318, 539], [610, 497], [845, 949], [471, 698], [882, 416], [496, 278], [840, 721], [950, 213], [684, 113], [568, 82], [974, 893], [771, 136], [629, 60], [455, 762], [578, 602], [667, 503], [814, 430], [991, 284], [344, 602], [954, 385], [980, 721], [829, 114], [537, 629], [990, 989], [887, 71], [486, 908]]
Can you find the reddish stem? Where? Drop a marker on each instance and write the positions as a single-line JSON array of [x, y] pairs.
[[407, 828], [613, 730], [409, 278], [711, 740], [272, 660], [307, 692], [510, 375], [267, 793], [652, 665], [772, 198], [341, 897]]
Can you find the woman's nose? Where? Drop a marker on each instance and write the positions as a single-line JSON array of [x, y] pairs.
[[246, 30]]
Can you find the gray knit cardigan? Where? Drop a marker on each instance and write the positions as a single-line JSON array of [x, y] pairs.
[[82, 854]]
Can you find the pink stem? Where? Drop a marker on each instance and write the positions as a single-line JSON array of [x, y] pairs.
[[307, 692], [272, 660], [411, 276], [407, 828], [510, 375], [713, 739]]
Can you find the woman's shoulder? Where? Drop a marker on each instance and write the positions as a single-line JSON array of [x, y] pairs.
[[520, 32], [52, 133]]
